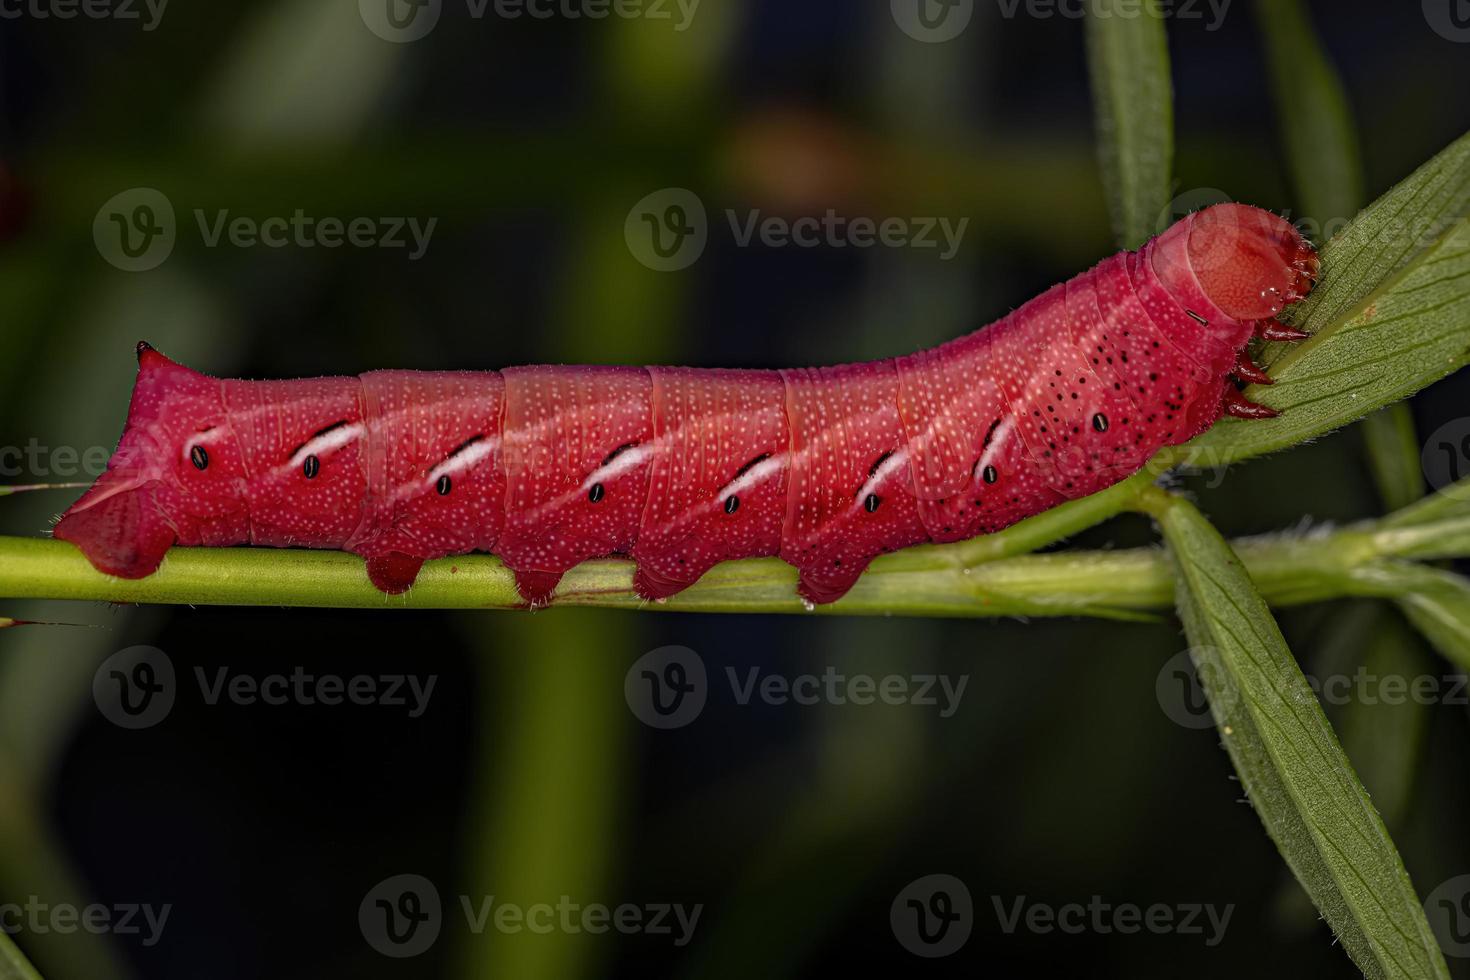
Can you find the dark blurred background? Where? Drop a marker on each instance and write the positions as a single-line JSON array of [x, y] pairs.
[[1062, 776]]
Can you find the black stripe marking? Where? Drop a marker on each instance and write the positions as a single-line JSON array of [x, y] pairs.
[[873, 470]]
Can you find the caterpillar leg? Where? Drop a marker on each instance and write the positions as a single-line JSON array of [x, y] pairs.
[[1238, 406], [1275, 330], [1247, 370], [1250, 372], [119, 527], [536, 587], [831, 580], [393, 572]]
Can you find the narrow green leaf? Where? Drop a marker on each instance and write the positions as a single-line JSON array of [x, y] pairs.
[[1312, 110], [13, 964], [1289, 761], [1133, 100], [1390, 315], [1367, 650], [1393, 455], [1433, 529], [1382, 728], [1436, 602], [1450, 503]]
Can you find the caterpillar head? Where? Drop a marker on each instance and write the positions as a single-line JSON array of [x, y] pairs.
[[175, 476], [1249, 264]]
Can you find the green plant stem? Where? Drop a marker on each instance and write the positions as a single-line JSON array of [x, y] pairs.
[[947, 580]]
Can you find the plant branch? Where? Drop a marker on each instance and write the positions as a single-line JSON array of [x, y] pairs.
[[944, 580]]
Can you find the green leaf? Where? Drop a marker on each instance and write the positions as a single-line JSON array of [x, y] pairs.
[[1393, 455], [1133, 99], [1435, 601], [1390, 314], [1434, 528], [13, 964], [1299, 780], [1312, 110], [1382, 732]]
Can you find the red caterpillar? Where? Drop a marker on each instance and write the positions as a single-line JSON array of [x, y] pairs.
[[680, 468]]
